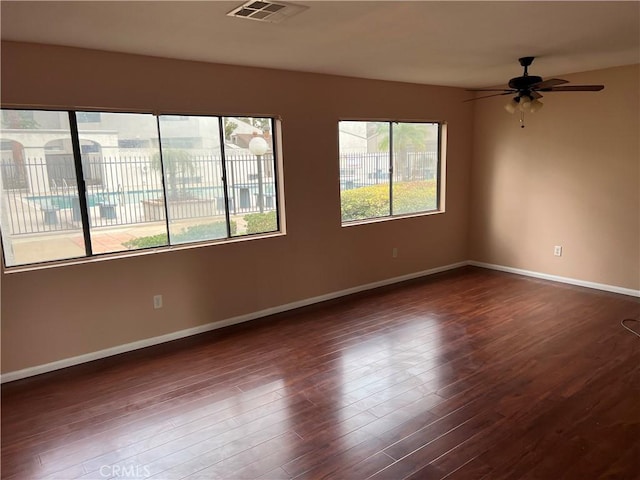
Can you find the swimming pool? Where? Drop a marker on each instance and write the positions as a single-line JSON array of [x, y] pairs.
[[93, 199], [57, 202]]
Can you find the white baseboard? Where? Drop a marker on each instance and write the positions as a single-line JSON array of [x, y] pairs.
[[128, 347], [556, 278]]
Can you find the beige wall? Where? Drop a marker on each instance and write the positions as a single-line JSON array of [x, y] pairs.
[[57, 313], [571, 177]]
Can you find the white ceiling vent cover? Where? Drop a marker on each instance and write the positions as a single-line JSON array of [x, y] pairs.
[[272, 12]]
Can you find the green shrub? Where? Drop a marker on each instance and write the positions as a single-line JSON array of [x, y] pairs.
[[373, 201], [413, 197], [147, 242], [261, 222], [205, 231], [365, 202], [194, 233]]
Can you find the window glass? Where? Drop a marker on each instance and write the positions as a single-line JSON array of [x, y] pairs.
[[364, 170], [193, 178], [39, 207], [251, 185], [124, 189], [415, 167], [388, 168]]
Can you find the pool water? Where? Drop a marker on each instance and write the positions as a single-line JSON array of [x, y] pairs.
[[51, 202], [68, 201]]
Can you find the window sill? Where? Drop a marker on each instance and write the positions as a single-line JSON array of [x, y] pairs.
[[103, 257], [367, 221]]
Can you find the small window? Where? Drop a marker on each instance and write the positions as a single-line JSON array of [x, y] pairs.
[[18, 119], [388, 169], [133, 143], [88, 117]]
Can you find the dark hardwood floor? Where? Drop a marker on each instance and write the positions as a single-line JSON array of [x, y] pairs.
[[470, 374]]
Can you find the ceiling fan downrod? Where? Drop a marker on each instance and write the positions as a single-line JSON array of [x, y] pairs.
[[526, 62]]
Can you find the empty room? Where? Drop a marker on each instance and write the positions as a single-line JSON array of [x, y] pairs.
[[320, 239]]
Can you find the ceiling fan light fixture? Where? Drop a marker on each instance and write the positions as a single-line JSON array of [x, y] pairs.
[[535, 106], [525, 103], [512, 105]]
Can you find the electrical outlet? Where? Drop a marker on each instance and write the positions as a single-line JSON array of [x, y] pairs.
[[557, 250], [394, 252], [157, 301]]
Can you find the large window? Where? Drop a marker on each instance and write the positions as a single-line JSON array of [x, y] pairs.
[[389, 169], [131, 181]]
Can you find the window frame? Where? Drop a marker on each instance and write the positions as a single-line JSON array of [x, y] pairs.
[[439, 175], [90, 256]]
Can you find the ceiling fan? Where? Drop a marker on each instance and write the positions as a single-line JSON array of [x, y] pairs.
[[526, 90]]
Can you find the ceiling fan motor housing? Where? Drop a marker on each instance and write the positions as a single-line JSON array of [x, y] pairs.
[[523, 83]]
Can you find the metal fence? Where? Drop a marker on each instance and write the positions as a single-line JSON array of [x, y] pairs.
[[41, 194], [362, 169]]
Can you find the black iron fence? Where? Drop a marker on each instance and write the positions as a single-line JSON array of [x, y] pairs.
[[362, 169], [41, 195]]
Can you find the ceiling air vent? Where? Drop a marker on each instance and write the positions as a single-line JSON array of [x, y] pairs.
[[272, 12]]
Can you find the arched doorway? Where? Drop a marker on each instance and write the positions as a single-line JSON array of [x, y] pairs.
[[91, 162], [60, 167], [60, 164], [14, 171]]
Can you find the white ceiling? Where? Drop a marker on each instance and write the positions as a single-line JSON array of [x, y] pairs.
[[464, 44]]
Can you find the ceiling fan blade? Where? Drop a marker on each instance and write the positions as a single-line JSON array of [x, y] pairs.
[[552, 82], [574, 88], [490, 90], [487, 96], [535, 95]]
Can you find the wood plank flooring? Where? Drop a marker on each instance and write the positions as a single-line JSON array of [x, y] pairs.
[[469, 374]]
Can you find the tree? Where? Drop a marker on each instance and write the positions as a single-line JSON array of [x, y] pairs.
[[407, 137], [177, 165], [18, 120], [229, 127], [263, 124]]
